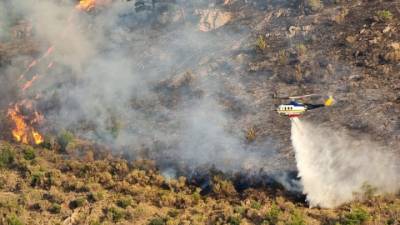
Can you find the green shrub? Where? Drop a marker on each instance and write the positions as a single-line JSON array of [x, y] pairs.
[[79, 202], [14, 220], [261, 42], [124, 202], [173, 213], [37, 178], [391, 221], [384, 15], [116, 214], [196, 196], [272, 216], [55, 208], [52, 178], [356, 217], [157, 221], [282, 57], [251, 135], [95, 196], [297, 219], [234, 220], [29, 153], [239, 209], [7, 156], [64, 138], [255, 205], [301, 49]]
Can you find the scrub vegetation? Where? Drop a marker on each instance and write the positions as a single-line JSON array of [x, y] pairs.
[[56, 187]]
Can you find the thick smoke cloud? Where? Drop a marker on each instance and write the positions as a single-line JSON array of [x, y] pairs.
[[336, 168], [144, 80]]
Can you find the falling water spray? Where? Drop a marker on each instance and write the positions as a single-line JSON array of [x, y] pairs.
[[335, 168]]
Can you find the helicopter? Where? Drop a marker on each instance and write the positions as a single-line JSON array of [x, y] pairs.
[[297, 107]]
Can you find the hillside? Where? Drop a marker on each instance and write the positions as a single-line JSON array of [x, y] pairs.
[[163, 112]]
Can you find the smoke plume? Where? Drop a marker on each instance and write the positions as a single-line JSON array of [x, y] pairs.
[[335, 168], [143, 80]]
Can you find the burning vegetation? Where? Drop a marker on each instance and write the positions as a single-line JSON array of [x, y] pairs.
[[86, 5], [23, 132]]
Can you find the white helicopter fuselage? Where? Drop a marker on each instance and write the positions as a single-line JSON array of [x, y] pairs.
[[297, 108], [291, 110]]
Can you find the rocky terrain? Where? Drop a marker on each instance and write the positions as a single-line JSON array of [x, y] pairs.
[[219, 62]]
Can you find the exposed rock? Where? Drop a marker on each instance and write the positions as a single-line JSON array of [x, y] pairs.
[[395, 46], [387, 29], [340, 15], [211, 19], [170, 16], [356, 77], [393, 56], [351, 39], [292, 31]]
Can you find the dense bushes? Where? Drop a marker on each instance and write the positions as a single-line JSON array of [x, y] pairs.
[[7, 156], [64, 138], [119, 192], [356, 216]]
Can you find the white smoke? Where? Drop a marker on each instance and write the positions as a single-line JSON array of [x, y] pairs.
[[334, 168], [119, 79]]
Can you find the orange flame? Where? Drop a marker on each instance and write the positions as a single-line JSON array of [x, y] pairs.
[[19, 132], [22, 132], [37, 138], [86, 5]]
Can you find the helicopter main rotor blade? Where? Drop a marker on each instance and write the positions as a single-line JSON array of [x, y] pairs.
[[302, 96]]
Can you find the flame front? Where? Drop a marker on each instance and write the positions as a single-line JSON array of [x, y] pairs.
[[22, 132], [86, 5], [28, 84], [19, 132]]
